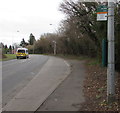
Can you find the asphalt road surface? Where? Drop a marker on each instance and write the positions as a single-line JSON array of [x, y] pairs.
[[17, 73]]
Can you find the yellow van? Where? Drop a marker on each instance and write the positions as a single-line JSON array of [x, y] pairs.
[[22, 53]]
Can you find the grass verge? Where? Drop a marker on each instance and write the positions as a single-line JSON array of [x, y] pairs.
[[73, 57], [9, 57], [95, 89]]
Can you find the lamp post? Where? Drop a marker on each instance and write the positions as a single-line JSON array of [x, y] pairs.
[[54, 47], [34, 47], [14, 44]]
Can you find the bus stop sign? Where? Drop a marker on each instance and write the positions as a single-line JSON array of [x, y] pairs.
[[102, 12]]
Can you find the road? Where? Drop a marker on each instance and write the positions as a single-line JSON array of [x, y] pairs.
[[16, 74], [45, 78]]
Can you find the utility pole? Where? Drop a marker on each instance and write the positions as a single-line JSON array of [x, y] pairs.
[[111, 54]]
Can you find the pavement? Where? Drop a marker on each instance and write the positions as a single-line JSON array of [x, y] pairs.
[[63, 92], [69, 94]]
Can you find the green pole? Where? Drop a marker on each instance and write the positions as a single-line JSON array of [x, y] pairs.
[[104, 53]]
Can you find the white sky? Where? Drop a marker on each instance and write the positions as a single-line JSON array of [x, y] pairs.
[[28, 16]]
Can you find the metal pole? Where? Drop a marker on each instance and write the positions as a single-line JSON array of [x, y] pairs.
[[54, 47], [111, 54], [104, 53], [33, 48]]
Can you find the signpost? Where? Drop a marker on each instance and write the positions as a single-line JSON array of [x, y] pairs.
[[102, 13], [111, 54], [107, 13]]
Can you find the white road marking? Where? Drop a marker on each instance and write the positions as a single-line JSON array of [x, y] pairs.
[[66, 63]]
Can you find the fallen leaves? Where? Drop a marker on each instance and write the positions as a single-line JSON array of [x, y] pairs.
[[95, 90]]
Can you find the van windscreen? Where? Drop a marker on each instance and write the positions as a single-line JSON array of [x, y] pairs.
[[21, 51]]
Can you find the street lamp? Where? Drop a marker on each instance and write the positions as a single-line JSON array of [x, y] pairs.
[[14, 44], [34, 47], [54, 47]]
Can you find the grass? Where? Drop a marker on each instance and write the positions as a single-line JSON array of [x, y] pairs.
[[9, 57], [73, 57], [94, 61]]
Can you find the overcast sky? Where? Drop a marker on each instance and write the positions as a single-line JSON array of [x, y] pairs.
[[28, 16]]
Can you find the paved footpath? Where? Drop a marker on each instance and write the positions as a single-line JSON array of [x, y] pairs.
[[69, 95], [40, 87]]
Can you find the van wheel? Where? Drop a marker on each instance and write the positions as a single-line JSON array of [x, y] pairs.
[[17, 57]]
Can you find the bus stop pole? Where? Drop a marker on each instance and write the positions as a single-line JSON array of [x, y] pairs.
[[111, 54]]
